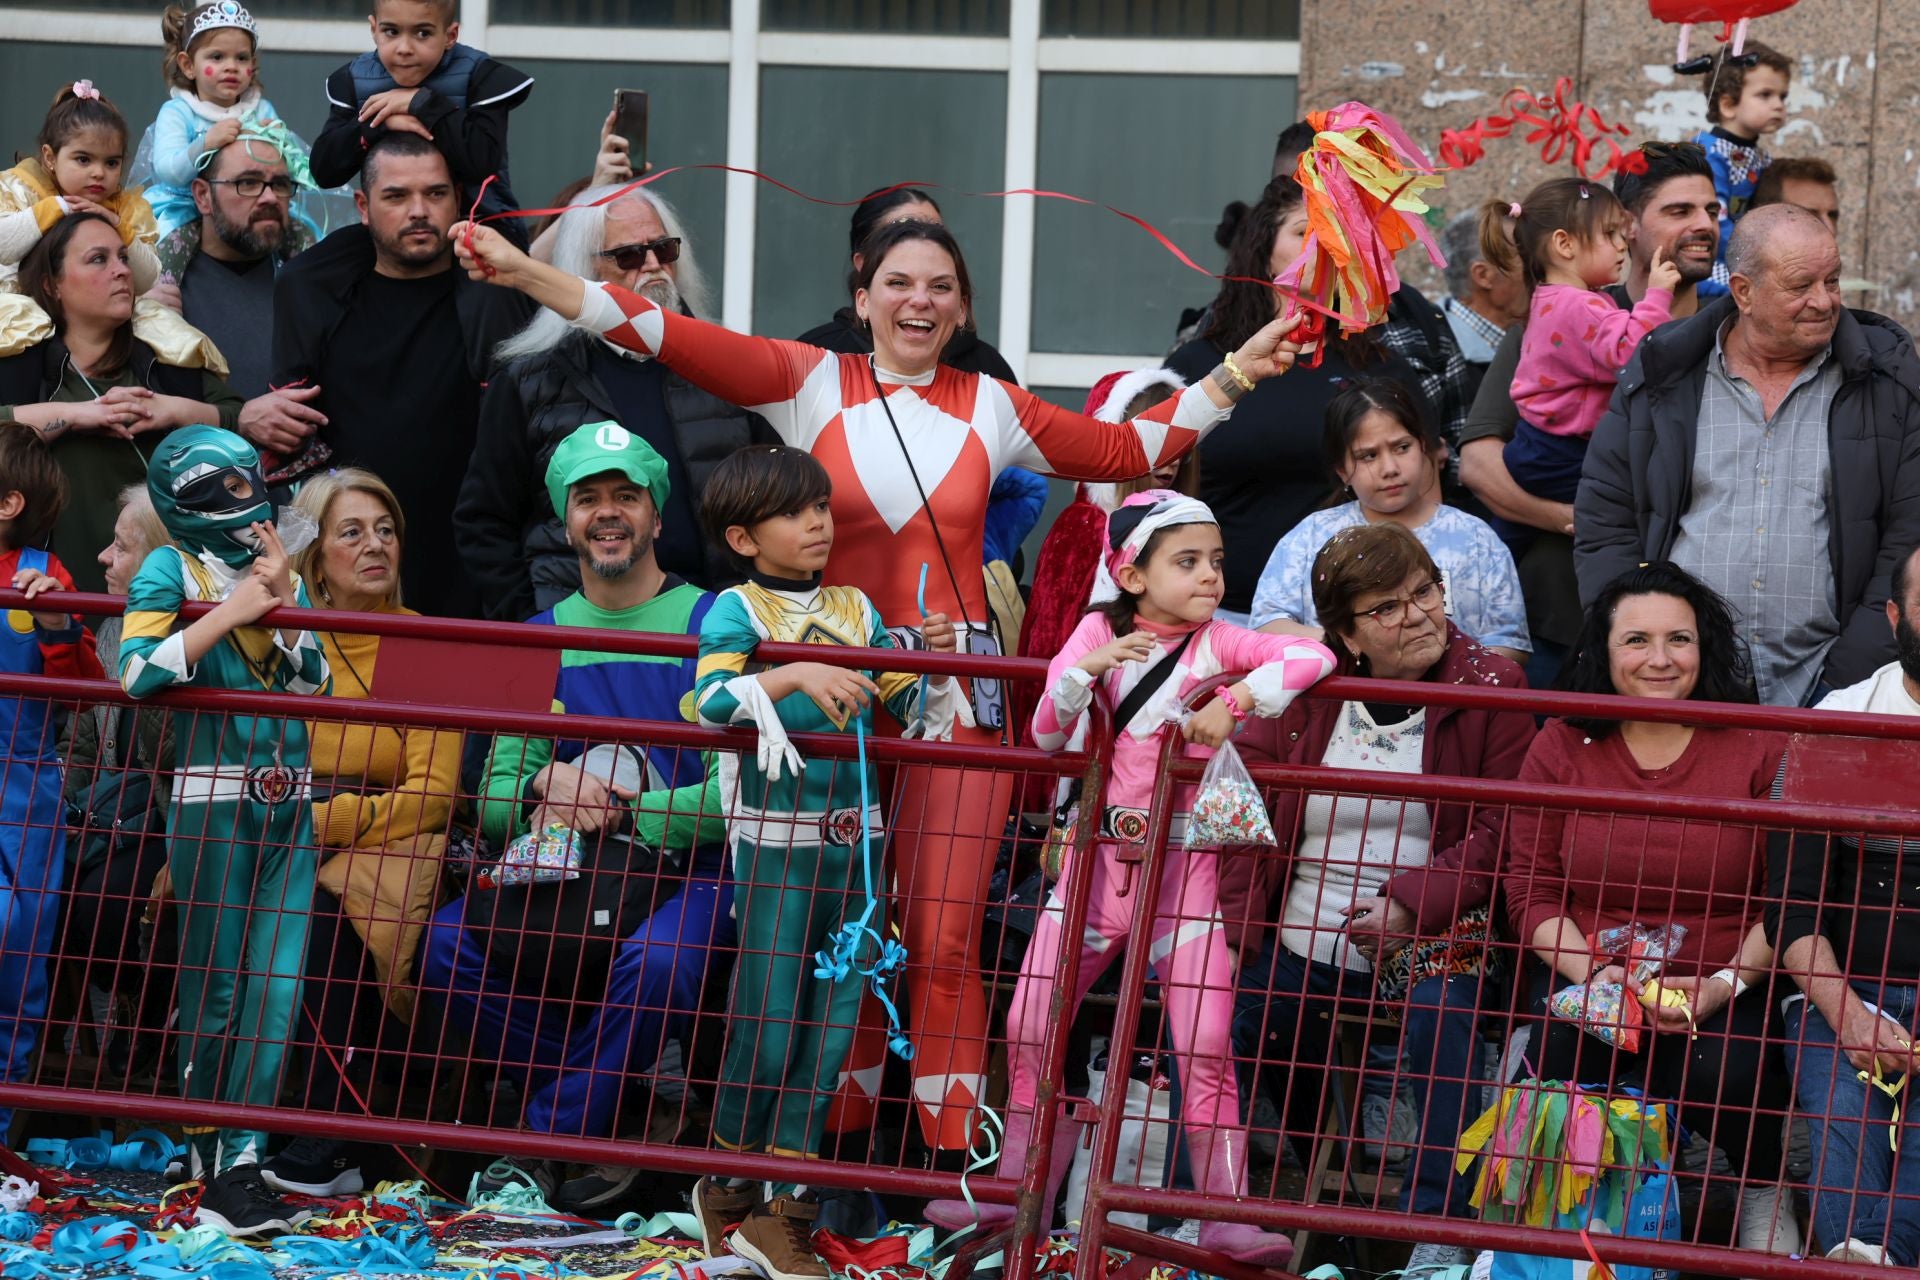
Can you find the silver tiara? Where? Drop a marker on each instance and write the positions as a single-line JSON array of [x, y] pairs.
[[227, 13]]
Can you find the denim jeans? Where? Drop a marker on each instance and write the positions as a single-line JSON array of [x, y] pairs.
[[1862, 1189], [1440, 1050]]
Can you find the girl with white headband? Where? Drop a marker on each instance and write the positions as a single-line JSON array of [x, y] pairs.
[[1158, 630]]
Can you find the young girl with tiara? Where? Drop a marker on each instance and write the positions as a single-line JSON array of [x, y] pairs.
[[1159, 637], [1571, 237], [80, 167], [212, 70]]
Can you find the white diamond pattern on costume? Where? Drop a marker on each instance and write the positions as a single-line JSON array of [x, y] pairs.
[[935, 437], [865, 1079]]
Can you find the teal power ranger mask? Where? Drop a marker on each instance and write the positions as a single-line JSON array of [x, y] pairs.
[[208, 491]]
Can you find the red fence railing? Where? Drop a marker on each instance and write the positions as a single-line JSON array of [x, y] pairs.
[[486, 1045]]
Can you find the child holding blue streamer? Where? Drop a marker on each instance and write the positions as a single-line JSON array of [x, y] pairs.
[[795, 837]]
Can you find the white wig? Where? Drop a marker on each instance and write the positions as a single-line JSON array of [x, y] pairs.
[[579, 235]]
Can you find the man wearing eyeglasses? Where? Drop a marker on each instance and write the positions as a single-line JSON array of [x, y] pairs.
[[554, 377], [218, 272]]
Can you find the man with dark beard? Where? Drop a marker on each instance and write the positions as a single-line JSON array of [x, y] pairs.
[[553, 377], [1844, 915], [573, 989], [400, 345], [218, 271]]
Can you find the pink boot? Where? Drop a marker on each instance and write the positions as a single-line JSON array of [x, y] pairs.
[[1220, 1162], [952, 1215]]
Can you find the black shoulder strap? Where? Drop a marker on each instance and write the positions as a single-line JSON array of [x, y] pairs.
[[1156, 676]]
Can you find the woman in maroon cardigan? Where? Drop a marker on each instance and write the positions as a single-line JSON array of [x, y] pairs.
[[1365, 878], [1658, 632]]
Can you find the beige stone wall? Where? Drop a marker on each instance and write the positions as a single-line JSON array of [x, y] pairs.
[[1437, 64]]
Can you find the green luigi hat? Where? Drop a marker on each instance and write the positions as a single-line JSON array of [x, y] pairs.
[[600, 447]]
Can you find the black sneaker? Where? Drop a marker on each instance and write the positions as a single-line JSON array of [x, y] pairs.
[[314, 1167], [598, 1189], [238, 1203]]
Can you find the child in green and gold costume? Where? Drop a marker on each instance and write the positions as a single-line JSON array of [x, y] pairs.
[[240, 847], [795, 828]]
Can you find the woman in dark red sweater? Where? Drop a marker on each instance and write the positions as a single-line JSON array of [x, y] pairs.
[[1659, 632]]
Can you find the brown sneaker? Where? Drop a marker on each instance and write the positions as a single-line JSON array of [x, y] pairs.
[[779, 1237], [720, 1207]]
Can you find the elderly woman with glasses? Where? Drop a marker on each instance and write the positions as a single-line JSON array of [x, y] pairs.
[[1369, 886]]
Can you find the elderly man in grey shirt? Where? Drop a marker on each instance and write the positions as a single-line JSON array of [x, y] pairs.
[[1771, 446]]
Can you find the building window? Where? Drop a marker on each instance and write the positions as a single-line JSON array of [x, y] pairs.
[[838, 133], [1171, 149], [1174, 19], [907, 17], [705, 14]]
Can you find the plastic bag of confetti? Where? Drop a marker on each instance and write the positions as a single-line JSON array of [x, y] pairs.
[[551, 853], [1229, 808], [1602, 1009], [1645, 951]]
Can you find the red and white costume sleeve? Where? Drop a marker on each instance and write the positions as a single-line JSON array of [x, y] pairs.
[[963, 430]]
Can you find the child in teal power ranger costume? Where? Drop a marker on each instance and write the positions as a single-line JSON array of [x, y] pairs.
[[240, 845], [33, 489], [796, 833]]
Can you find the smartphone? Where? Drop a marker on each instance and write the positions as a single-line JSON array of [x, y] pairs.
[[630, 122]]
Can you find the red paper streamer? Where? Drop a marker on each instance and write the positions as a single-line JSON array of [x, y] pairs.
[[1562, 128], [1165, 241]]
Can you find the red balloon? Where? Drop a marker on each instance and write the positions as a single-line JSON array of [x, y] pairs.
[[1715, 10]]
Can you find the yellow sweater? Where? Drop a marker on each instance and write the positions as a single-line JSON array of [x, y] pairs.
[[391, 838], [408, 776]]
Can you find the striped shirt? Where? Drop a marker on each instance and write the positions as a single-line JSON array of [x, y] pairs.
[[1757, 527]]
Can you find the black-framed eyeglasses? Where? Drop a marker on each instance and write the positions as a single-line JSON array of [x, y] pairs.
[[632, 257], [249, 186], [1394, 613]]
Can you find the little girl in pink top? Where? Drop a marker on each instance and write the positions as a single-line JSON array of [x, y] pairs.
[[1164, 556], [1571, 236]]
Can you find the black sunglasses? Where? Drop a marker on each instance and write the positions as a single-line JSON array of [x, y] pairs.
[[632, 257]]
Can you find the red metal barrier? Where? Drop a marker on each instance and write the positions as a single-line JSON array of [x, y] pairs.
[[1342, 1200], [455, 1082]]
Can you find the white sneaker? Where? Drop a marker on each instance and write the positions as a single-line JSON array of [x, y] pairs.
[[1389, 1127], [1858, 1251], [1433, 1261], [1767, 1221]]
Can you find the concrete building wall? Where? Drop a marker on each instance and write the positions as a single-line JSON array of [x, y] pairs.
[[1855, 102]]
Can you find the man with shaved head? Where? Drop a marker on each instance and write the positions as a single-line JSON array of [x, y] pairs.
[[1769, 445]]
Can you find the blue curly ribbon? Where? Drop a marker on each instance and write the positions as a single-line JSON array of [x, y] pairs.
[[146, 1150], [983, 1152], [921, 596], [841, 959]]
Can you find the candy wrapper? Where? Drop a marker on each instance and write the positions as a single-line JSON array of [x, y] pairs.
[[1604, 1009], [1229, 808], [551, 853]]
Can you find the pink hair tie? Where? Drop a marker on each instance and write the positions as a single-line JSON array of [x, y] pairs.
[[1513, 210], [85, 89]]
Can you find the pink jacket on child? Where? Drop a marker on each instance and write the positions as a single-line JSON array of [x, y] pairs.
[[1575, 345], [1279, 667]]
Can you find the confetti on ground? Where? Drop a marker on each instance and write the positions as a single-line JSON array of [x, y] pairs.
[[118, 1223]]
